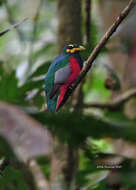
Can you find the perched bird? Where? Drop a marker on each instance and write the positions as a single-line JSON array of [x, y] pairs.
[[61, 74]]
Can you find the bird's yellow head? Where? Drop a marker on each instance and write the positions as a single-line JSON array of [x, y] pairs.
[[72, 48]]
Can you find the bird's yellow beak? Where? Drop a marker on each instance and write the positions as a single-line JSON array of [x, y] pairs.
[[81, 48]]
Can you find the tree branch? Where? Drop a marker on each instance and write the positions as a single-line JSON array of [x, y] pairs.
[[115, 104], [12, 27], [40, 180], [11, 20], [98, 48]]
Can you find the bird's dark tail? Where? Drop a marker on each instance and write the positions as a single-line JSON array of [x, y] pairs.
[[51, 103]]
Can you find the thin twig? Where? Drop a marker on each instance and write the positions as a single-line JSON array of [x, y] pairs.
[[115, 104], [12, 27], [98, 48], [12, 20], [88, 20], [40, 180]]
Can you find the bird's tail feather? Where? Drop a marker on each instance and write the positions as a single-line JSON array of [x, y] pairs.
[[51, 103]]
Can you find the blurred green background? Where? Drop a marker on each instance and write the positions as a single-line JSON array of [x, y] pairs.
[[90, 143]]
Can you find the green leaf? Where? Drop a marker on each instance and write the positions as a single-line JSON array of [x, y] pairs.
[[44, 163], [41, 70], [81, 126], [41, 51], [38, 100], [1, 2], [9, 88], [1, 69], [5, 149], [12, 179], [30, 85]]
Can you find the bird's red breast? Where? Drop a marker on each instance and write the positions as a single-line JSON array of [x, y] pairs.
[[75, 71]]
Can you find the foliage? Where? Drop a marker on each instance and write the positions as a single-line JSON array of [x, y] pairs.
[[107, 127], [84, 130], [12, 179]]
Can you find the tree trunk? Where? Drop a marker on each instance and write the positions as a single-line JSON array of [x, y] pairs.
[[69, 16], [64, 165], [64, 158]]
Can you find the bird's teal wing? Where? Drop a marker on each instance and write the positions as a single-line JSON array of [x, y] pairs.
[[56, 76]]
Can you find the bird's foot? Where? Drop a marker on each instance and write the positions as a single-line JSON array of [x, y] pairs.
[[70, 88]]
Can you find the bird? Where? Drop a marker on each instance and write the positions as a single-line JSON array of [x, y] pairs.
[[61, 74]]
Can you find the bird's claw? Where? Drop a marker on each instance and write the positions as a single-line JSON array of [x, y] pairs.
[[70, 88]]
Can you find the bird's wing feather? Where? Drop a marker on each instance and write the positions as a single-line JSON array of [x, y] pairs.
[[61, 70], [61, 76], [54, 90]]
